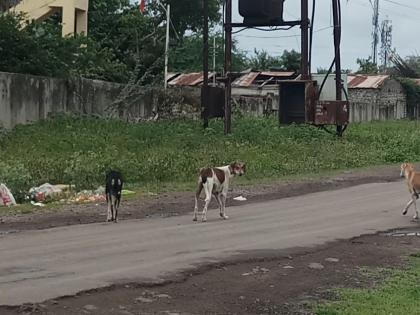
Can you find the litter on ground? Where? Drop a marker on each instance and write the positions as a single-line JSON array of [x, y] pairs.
[[6, 197]]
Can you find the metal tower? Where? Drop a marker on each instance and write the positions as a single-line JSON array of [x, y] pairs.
[[386, 43]]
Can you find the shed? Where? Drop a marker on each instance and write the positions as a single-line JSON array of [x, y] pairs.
[[376, 97]]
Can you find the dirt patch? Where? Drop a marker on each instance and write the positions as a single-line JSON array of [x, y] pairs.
[[170, 204], [259, 283]]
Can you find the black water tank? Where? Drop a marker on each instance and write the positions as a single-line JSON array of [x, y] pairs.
[[261, 11]]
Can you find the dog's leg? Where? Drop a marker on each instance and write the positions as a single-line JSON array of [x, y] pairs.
[[116, 206], [219, 202], [108, 201], [197, 196], [416, 214], [112, 207], [208, 186], [224, 215], [407, 206]]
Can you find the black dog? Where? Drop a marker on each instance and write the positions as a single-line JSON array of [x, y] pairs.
[[113, 188]]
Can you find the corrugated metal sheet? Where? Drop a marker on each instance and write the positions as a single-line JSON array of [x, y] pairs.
[[417, 81], [246, 80], [277, 74], [189, 79], [249, 78], [366, 81], [172, 76]]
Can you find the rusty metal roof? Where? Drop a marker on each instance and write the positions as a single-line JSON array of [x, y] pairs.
[[189, 79], [366, 81], [246, 80], [249, 78], [172, 75], [417, 81], [278, 74]]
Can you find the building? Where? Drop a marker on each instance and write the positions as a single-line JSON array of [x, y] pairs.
[[376, 97], [74, 12], [372, 97], [254, 92]]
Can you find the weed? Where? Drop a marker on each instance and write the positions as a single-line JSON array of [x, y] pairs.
[[79, 150], [397, 295]]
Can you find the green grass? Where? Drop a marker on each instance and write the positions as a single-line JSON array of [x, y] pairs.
[[398, 295], [168, 154]]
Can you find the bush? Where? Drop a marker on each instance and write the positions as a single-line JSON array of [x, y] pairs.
[[17, 178]]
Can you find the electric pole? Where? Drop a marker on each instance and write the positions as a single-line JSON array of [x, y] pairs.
[[214, 60], [337, 52], [168, 21], [375, 31], [205, 88], [228, 66]]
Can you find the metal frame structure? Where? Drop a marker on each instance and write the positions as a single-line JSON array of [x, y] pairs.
[[305, 75]]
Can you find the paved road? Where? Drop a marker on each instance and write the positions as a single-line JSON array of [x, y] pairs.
[[39, 265]]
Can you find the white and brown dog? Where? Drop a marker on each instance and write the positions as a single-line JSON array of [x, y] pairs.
[[215, 181], [413, 181]]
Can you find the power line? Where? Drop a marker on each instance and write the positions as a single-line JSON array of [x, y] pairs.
[[402, 5], [390, 12], [283, 36]]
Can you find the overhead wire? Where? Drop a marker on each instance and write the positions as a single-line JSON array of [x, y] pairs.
[[284, 36]]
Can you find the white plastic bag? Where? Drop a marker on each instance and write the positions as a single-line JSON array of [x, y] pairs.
[[6, 197]]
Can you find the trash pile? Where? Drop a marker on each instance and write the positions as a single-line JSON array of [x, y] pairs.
[[45, 193], [48, 192], [97, 195]]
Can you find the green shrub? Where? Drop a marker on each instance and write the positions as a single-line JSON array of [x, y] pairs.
[[17, 178]]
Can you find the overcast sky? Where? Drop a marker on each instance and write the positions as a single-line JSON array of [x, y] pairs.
[[357, 29]]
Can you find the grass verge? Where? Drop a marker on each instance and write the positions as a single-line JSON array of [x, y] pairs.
[[398, 295], [168, 154]]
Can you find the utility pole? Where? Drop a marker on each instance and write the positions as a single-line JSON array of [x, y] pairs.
[[205, 88], [375, 31], [304, 40], [228, 67], [214, 60], [168, 22], [337, 42]]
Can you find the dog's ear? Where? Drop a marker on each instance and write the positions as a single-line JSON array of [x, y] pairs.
[[244, 166]]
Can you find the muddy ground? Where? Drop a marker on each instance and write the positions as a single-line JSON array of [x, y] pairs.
[[259, 283], [178, 203]]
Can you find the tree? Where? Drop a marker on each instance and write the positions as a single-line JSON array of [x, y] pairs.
[[186, 14], [324, 71], [138, 40], [262, 60], [188, 55], [39, 49], [366, 66], [321, 70], [123, 45], [408, 67], [290, 60]]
